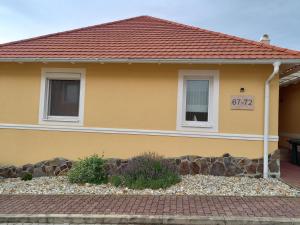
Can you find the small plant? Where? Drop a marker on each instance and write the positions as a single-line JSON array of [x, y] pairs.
[[150, 171], [116, 180], [26, 176], [88, 170]]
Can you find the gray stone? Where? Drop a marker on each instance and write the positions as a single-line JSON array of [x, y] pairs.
[[251, 169], [56, 171], [227, 161], [275, 155], [203, 165], [273, 166], [260, 168], [28, 168], [38, 172], [184, 167], [194, 168], [234, 171], [217, 169], [48, 170], [226, 155], [244, 162], [178, 161]]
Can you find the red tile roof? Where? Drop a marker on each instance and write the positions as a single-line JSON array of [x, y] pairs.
[[142, 37]]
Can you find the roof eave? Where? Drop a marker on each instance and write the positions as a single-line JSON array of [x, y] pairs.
[[124, 60]]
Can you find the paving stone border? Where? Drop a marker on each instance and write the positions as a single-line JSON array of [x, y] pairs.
[[149, 205], [140, 219], [225, 165]]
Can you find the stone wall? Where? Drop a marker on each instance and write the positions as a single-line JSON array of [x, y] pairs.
[[54, 167], [226, 165]]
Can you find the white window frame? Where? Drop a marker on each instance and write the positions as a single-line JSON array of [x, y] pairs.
[[213, 103], [61, 74]]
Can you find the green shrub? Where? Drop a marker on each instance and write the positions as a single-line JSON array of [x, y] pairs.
[[150, 171], [88, 170], [26, 176], [116, 180]]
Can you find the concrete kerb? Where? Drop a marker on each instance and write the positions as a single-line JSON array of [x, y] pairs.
[[141, 219]]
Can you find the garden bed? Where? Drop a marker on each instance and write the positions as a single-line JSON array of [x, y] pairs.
[[190, 185]]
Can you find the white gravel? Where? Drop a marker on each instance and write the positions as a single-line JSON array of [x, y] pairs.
[[190, 185]]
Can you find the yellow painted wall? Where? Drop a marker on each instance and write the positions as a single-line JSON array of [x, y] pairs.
[[135, 96], [32, 146], [289, 113]]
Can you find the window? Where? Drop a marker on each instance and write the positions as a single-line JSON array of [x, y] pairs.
[[198, 93], [196, 100], [62, 93]]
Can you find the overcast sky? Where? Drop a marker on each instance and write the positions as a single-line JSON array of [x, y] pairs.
[[250, 19]]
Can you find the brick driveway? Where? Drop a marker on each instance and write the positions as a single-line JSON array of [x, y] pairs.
[[151, 205], [290, 173]]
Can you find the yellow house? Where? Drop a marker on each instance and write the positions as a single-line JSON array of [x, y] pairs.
[[137, 85]]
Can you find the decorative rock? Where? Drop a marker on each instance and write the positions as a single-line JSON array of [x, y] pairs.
[[189, 185], [275, 155], [184, 167], [203, 165], [244, 162], [217, 169], [251, 169], [233, 170], [194, 168], [28, 168], [260, 168], [56, 171], [273, 166], [178, 161], [49, 170], [38, 172]]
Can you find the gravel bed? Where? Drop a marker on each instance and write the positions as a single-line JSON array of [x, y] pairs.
[[190, 185]]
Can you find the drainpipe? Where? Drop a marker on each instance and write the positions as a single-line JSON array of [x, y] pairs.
[[276, 66]]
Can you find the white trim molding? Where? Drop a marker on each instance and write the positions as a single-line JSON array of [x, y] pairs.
[[61, 74], [213, 103], [246, 137]]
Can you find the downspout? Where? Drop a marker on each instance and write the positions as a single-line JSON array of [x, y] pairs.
[[276, 66]]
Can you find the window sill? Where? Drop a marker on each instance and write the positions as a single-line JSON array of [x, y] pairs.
[[197, 127], [61, 121]]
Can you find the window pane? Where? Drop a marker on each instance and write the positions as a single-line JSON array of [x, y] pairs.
[[64, 97], [197, 100]]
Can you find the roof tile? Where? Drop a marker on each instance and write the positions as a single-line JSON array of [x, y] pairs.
[[143, 37]]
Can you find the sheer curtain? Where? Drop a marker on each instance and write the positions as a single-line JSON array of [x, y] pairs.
[[64, 97], [197, 92]]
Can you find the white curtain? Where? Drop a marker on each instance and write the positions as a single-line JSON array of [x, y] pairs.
[[197, 95]]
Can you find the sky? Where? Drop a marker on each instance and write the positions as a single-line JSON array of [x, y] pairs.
[[20, 19]]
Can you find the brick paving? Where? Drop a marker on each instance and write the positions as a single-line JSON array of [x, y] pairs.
[[290, 173], [151, 205]]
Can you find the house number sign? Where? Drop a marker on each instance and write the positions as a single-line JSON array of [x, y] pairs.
[[242, 102]]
